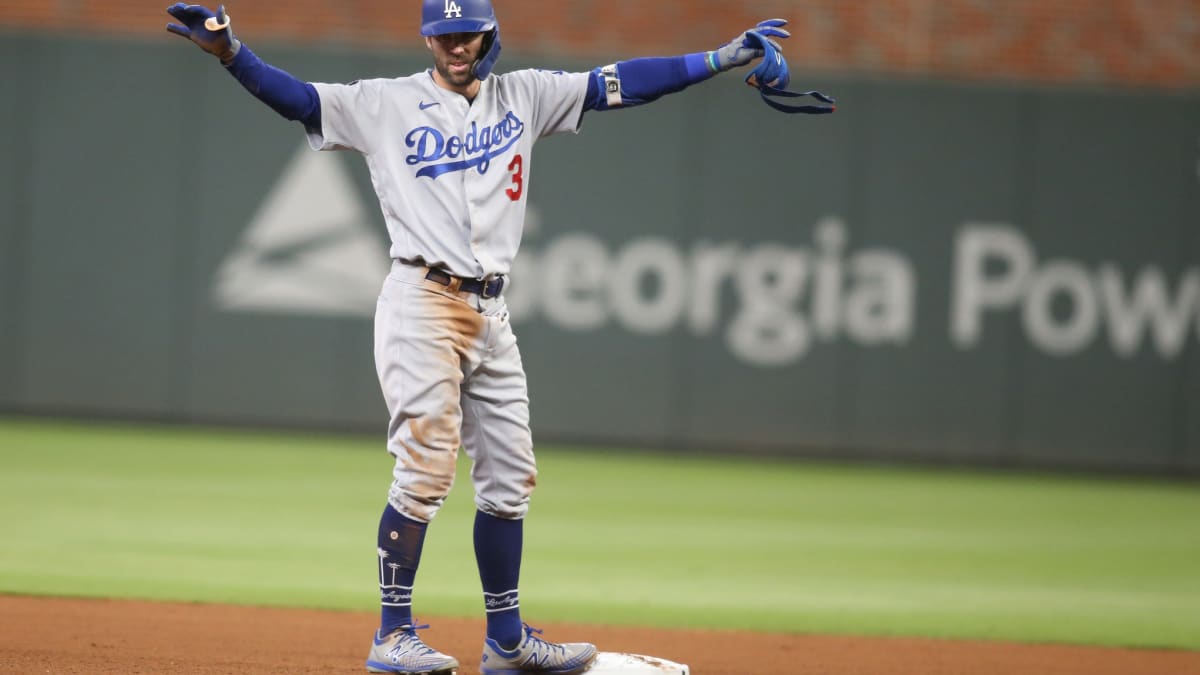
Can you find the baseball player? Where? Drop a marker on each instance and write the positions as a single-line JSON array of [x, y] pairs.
[[450, 156]]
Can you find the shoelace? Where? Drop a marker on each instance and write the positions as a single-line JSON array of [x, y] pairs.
[[540, 643], [405, 644]]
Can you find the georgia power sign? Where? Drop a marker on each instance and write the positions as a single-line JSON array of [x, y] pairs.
[[311, 249]]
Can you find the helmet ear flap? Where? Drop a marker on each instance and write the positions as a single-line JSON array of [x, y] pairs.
[[491, 53]]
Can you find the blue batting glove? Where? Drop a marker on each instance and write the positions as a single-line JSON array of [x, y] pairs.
[[772, 71], [746, 47], [211, 32], [771, 77]]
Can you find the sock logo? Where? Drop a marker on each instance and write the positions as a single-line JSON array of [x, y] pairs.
[[396, 596], [500, 602]]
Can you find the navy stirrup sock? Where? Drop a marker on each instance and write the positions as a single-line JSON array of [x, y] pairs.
[[400, 542], [498, 553]]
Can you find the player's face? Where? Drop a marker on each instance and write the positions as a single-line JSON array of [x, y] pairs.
[[454, 54]]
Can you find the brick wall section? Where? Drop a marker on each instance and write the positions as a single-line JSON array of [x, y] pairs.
[[1152, 43]]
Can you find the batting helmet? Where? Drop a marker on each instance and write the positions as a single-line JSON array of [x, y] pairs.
[[439, 17]]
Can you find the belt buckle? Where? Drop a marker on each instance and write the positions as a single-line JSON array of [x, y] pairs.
[[483, 291]]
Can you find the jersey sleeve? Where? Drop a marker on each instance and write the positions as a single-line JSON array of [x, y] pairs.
[[347, 112], [557, 99]]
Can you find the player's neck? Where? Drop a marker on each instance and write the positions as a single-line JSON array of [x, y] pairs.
[[467, 91]]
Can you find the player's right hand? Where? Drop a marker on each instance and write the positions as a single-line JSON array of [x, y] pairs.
[[744, 49], [211, 32]]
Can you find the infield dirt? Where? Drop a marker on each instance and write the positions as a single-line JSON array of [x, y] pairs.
[[55, 635]]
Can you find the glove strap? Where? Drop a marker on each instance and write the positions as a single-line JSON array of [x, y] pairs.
[[768, 92]]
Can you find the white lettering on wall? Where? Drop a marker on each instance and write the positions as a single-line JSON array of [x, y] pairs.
[[773, 303], [1064, 305], [784, 298]]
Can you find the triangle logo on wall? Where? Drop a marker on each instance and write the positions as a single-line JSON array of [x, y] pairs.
[[309, 250]]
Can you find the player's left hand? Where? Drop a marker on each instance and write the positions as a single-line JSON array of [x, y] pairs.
[[211, 32], [746, 47]]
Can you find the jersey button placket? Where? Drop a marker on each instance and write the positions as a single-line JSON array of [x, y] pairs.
[[476, 241]]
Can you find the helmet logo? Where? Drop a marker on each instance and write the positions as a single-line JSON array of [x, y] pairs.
[[453, 10]]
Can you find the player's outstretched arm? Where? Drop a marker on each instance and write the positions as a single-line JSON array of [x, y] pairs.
[[637, 81], [213, 32]]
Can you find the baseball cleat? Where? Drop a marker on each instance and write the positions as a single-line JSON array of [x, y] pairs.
[[401, 651], [535, 655]]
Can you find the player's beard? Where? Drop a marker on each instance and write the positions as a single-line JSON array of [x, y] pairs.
[[459, 79]]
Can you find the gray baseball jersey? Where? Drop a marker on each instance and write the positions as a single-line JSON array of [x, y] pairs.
[[451, 176]]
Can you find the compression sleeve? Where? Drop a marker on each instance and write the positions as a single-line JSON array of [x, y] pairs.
[[286, 95], [638, 81]]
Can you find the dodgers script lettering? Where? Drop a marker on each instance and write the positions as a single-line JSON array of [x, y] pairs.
[[477, 148]]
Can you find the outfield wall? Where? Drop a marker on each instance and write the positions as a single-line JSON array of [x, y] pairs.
[[974, 273]]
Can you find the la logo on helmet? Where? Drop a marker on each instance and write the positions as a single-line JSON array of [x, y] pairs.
[[453, 10]]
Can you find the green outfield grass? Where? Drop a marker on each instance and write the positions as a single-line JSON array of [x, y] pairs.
[[613, 537]]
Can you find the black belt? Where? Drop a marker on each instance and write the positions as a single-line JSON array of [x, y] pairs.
[[484, 289]]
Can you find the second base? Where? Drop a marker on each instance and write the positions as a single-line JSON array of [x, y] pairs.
[[613, 663]]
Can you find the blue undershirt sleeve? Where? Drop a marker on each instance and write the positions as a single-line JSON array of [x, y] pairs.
[[286, 95], [638, 81]]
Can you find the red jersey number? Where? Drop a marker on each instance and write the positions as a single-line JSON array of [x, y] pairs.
[[517, 168]]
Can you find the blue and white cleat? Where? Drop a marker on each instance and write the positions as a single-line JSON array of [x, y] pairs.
[[401, 651], [535, 655]]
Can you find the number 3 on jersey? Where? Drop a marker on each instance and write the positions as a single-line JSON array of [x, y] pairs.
[[517, 168]]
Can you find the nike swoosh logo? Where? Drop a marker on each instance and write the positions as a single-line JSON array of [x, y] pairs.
[[426, 106]]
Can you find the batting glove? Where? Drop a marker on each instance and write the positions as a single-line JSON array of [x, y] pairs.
[[746, 47], [771, 77], [211, 32]]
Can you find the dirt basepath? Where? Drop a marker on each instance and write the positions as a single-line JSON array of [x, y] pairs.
[[44, 635]]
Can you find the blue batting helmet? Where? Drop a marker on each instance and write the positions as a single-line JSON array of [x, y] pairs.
[[439, 17]]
